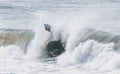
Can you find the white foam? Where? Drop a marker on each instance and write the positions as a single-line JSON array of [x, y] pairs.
[[93, 55], [11, 51]]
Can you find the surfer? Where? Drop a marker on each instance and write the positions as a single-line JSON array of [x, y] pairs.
[[54, 48]]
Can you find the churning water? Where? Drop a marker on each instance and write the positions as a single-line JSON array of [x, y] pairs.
[[87, 30]]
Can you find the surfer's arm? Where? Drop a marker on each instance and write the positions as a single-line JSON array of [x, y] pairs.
[[47, 27]]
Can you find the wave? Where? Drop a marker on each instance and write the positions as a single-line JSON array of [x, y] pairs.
[[23, 38], [89, 47]]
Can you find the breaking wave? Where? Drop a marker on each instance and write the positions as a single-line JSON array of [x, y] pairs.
[[88, 47]]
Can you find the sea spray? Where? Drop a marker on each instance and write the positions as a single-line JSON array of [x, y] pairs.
[[38, 44]]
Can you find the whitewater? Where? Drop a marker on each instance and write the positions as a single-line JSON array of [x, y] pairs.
[[81, 37]]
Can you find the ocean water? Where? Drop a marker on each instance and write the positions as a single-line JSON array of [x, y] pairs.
[[88, 30]]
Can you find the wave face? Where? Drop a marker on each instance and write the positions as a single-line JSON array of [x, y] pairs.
[[18, 37]]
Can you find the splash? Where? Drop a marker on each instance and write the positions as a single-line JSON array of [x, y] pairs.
[[38, 44]]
